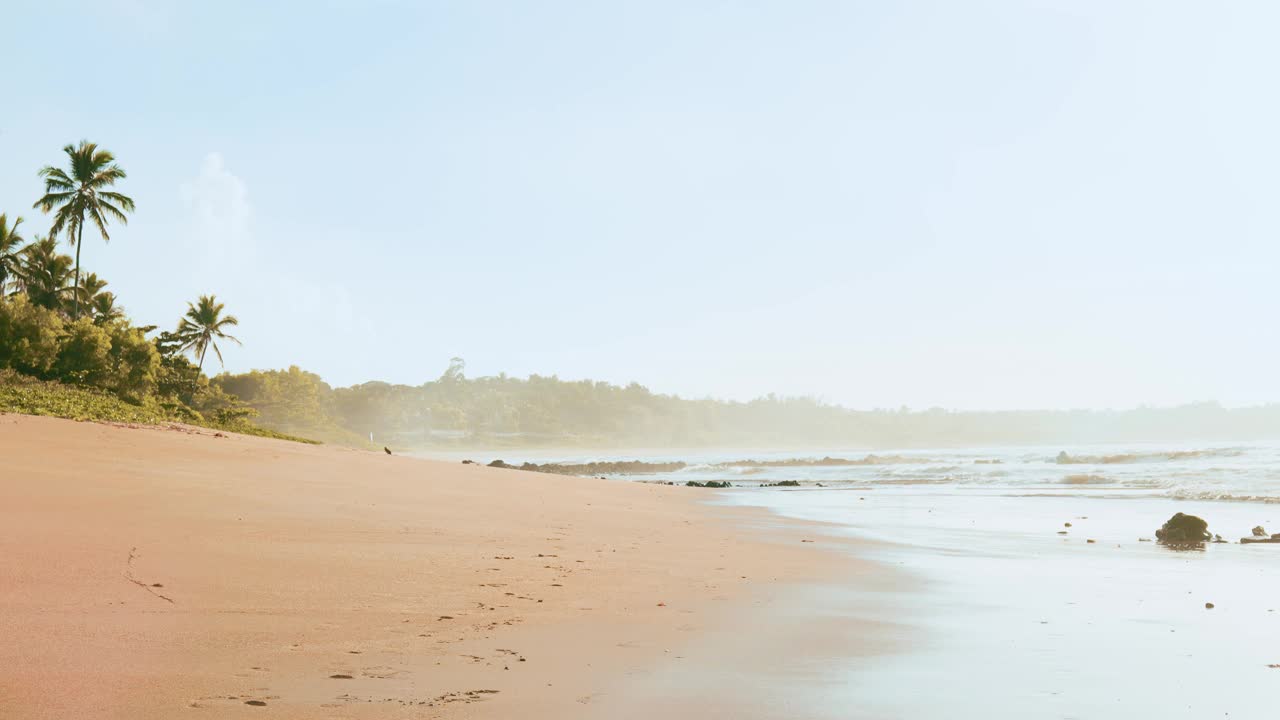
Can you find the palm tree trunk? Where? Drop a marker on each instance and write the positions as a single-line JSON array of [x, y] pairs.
[[76, 291], [202, 354]]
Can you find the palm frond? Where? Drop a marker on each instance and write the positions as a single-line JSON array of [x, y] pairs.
[[52, 200], [95, 212], [124, 201], [113, 211]]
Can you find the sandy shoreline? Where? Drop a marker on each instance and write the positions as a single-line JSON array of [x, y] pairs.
[[160, 573]]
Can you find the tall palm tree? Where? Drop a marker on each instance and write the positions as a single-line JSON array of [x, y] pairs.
[[10, 249], [83, 194], [202, 326], [43, 274]]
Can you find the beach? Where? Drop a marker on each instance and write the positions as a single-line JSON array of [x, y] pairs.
[[169, 572], [183, 572]]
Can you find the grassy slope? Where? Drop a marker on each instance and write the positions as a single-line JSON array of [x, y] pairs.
[[29, 396]]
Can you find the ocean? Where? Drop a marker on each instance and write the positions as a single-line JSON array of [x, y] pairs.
[[1028, 584]]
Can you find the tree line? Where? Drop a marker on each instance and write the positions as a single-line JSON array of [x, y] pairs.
[[454, 410]]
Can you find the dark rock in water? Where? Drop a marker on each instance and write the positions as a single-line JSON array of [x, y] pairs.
[[709, 484], [1066, 524], [1183, 529], [783, 483], [1208, 606], [1259, 531], [1218, 539]]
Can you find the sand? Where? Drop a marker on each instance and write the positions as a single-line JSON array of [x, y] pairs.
[[158, 573]]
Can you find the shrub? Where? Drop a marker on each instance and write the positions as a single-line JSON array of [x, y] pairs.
[[134, 362], [84, 357], [28, 336]]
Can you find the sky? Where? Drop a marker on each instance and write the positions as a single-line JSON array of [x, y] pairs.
[[977, 205]]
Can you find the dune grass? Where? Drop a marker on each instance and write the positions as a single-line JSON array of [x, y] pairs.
[[25, 395]]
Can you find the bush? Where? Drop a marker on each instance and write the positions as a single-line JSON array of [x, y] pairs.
[[28, 336], [84, 357], [134, 362]]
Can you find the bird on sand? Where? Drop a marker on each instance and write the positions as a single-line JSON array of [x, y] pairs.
[[386, 449]]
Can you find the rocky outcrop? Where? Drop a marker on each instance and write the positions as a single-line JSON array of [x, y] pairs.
[[1184, 529]]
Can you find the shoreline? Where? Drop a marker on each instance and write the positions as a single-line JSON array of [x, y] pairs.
[[168, 570]]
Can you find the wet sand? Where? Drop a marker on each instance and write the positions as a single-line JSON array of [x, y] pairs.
[[159, 573]]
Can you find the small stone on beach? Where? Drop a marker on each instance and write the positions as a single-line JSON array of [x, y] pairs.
[[1208, 606]]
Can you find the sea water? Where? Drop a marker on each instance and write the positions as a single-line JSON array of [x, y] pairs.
[[1006, 608]]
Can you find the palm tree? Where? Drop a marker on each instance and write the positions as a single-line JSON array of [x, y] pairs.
[[89, 289], [43, 274], [10, 252], [202, 327], [82, 194], [104, 308]]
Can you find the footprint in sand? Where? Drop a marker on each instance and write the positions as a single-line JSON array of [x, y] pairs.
[[381, 672]]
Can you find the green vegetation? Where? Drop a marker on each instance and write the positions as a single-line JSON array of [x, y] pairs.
[[99, 366], [83, 194], [201, 327], [30, 396], [501, 411]]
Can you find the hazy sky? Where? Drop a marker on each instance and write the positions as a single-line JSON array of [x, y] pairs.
[[958, 204]]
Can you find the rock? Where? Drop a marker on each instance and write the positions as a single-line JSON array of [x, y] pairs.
[[1259, 532], [709, 484], [1208, 606], [468, 462], [1091, 540], [1066, 524], [1144, 539], [1183, 529], [1062, 532]]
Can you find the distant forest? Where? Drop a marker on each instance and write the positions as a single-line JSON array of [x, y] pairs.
[[457, 411]]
